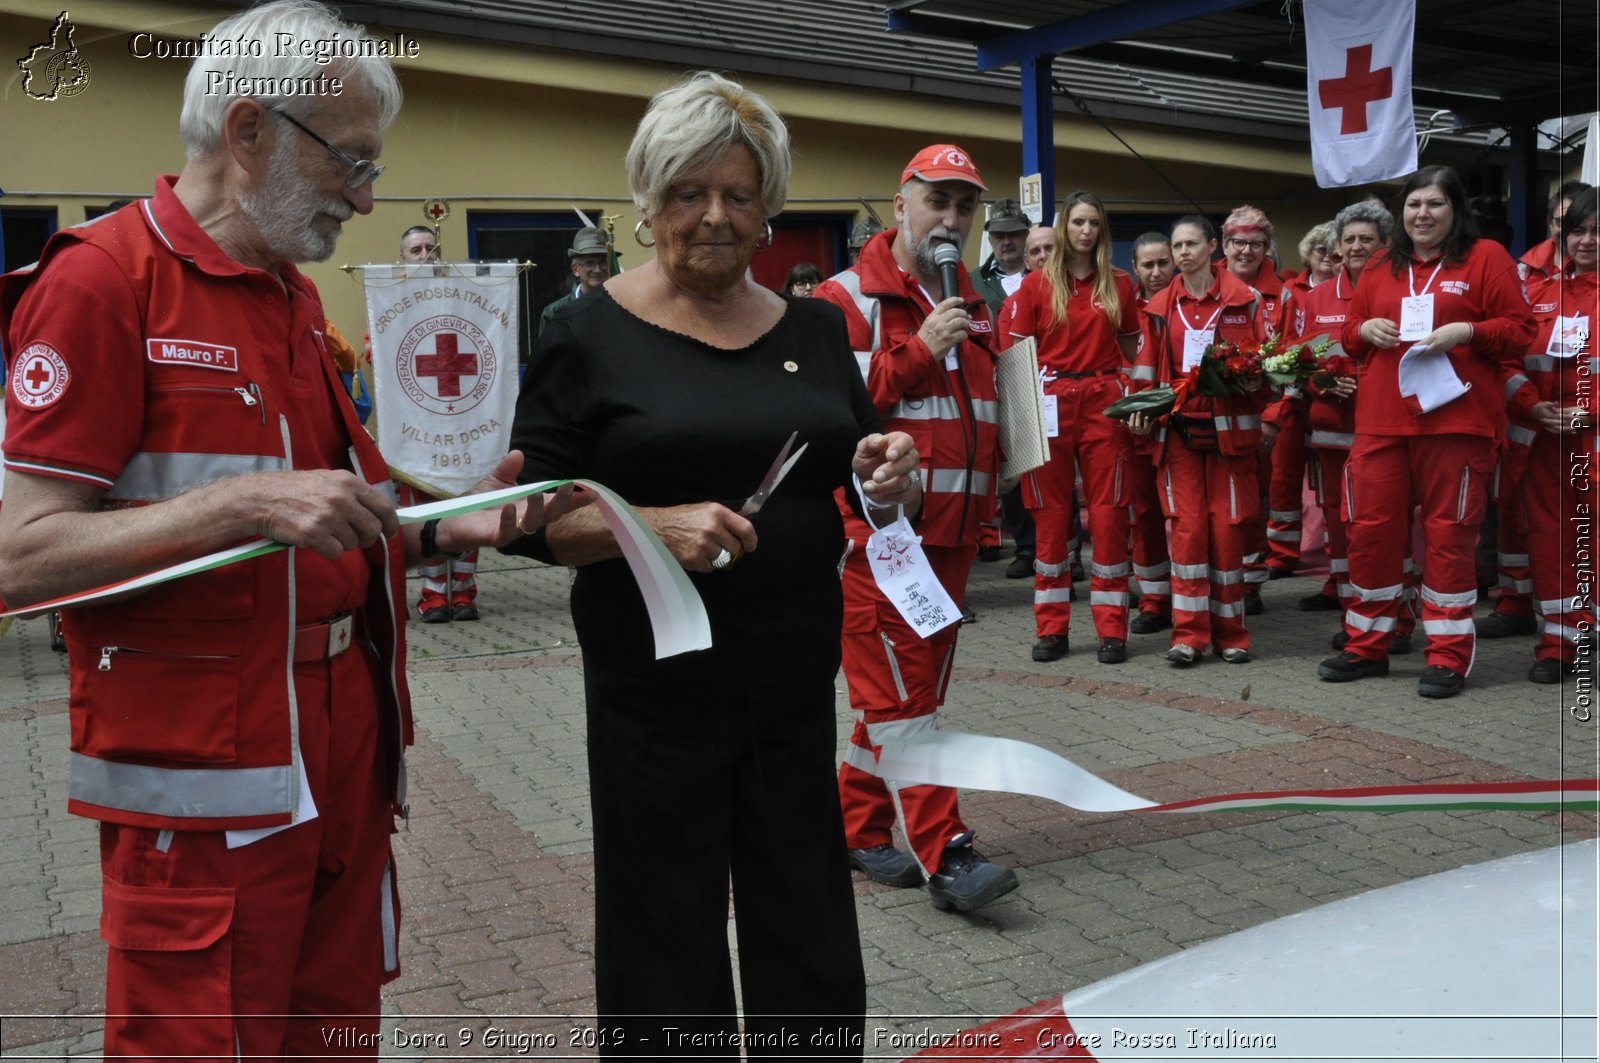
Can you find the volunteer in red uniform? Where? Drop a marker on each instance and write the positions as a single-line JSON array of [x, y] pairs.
[[1246, 241], [1512, 594], [1558, 489], [1205, 450], [238, 733], [1359, 231], [930, 371], [1147, 525], [1458, 298], [1080, 311]]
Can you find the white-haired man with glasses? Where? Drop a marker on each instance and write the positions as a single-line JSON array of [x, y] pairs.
[[238, 733]]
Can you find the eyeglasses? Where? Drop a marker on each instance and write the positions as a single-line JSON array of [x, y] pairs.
[[361, 170], [1246, 245]]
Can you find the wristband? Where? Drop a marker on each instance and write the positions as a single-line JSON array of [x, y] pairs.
[[430, 544]]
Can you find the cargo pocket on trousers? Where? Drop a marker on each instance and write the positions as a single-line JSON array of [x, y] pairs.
[[172, 946]]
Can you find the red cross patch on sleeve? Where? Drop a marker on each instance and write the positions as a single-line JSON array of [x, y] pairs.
[[39, 376]]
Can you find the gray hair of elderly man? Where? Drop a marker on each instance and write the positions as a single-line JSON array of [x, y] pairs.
[[690, 126], [308, 26]]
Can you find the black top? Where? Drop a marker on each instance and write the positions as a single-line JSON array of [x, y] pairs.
[[663, 419]]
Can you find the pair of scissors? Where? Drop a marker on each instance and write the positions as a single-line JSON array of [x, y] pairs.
[[780, 468]]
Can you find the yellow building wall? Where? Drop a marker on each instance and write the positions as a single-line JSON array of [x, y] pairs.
[[496, 127]]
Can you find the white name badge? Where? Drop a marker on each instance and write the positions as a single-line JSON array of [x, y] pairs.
[[1416, 317], [1195, 342], [1047, 404], [905, 577], [1569, 336]]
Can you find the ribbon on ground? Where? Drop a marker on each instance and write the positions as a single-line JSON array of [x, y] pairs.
[[1005, 765], [677, 615]]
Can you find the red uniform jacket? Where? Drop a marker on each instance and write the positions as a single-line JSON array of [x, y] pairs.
[[1323, 312], [1485, 290], [952, 413]]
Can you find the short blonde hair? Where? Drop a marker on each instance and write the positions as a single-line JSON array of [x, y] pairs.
[[693, 124], [1316, 235]]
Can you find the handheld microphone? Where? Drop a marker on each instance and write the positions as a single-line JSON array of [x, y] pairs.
[[947, 257]]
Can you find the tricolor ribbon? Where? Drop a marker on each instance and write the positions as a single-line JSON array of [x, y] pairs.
[[1005, 765], [677, 616]]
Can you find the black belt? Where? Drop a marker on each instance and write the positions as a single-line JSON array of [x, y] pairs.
[[1082, 376]]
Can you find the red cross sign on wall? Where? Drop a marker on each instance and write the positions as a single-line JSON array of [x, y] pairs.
[[447, 364], [1360, 86]]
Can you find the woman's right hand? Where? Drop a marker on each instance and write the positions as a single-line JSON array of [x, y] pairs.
[[1380, 332], [697, 534], [1140, 424]]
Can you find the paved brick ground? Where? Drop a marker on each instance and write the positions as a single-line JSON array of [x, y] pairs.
[[495, 862]]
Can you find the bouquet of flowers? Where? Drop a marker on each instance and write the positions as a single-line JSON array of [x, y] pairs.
[[1294, 366], [1225, 368]]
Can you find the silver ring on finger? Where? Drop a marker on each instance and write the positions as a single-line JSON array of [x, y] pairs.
[[722, 560], [914, 477]]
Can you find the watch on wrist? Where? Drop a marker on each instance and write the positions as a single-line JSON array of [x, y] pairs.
[[430, 543]]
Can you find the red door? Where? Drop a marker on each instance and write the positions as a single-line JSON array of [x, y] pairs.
[[814, 238]]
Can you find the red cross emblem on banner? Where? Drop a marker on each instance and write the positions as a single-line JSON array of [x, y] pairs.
[[447, 364], [1360, 86]]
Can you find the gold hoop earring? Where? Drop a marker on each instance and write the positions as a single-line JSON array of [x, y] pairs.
[[639, 239]]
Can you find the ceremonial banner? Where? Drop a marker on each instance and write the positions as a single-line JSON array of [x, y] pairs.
[[444, 368], [1358, 90]]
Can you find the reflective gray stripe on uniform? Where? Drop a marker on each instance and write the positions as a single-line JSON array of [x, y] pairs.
[[1549, 606], [1538, 363], [1369, 623], [1514, 382], [1518, 434], [1279, 535], [391, 927], [1227, 609], [954, 481], [1157, 571], [1283, 514], [1155, 586], [1342, 440], [1052, 595], [1442, 600], [1142, 372], [930, 408], [1108, 598], [152, 476], [1243, 423], [1108, 571], [1190, 571], [894, 666], [1044, 568], [879, 733], [867, 306], [859, 758], [1448, 627], [1563, 632], [1184, 602], [1225, 577], [1337, 565], [181, 793], [1377, 594]]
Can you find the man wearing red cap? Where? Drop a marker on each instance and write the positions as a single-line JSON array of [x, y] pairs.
[[930, 370]]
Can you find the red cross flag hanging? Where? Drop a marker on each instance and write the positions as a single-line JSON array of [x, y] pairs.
[[1358, 88], [444, 368]]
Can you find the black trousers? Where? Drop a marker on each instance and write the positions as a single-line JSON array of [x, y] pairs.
[[700, 774]]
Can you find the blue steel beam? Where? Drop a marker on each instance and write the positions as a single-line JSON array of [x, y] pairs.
[[1039, 130], [1121, 20]]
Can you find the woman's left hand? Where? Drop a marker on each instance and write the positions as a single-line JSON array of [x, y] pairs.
[[1447, 337], [887, 465]]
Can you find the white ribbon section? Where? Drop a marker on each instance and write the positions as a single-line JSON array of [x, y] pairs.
[[677, 615], [978, 762]]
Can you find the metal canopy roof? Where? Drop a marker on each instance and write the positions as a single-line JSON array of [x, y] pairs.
[[1489, 62]]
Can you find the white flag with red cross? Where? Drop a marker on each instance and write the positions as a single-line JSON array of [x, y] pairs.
[[444, 369], [1358, 88]]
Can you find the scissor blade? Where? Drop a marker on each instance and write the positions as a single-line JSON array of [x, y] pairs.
[[752, 505]]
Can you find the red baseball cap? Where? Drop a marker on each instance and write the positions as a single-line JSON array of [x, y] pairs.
[[943, 162]]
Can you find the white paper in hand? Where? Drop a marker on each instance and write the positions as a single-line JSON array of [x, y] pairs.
[[1430, 379], [903, 573]]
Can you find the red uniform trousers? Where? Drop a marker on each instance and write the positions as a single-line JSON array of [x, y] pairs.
[[1286, 487], [1560, 480], [449, 582], [1327, 470], [1513, 592], [1448, 475], [1152, 567], [1103, 449], [1211, 499], [897, 683], [276, 948]]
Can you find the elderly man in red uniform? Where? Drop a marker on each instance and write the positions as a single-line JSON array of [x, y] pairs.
[[930, 370], [238, 733]]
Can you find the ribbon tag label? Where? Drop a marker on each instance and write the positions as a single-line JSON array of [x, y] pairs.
[[905, 577], [1416, 317], [1568, 336], [1052, 426], [1195, 342]]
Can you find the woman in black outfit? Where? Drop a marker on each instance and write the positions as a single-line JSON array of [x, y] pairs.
[[677, 388]]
